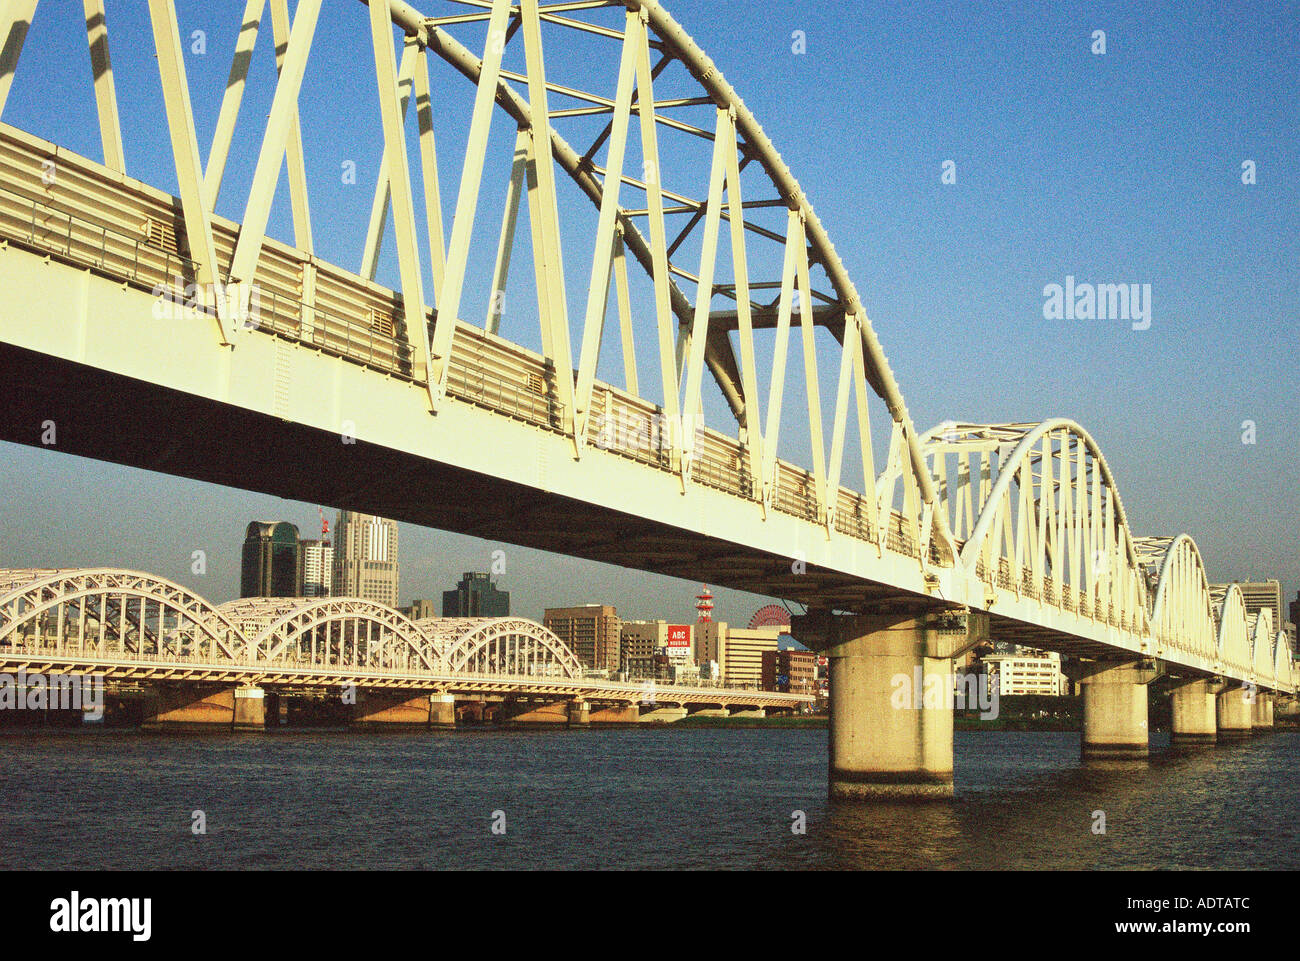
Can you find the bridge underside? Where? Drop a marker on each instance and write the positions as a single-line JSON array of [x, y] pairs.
[[176, 433]]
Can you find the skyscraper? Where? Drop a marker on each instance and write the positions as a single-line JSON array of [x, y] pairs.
[[592, 632], [316, 565], [269, 566], [365, 558], [475, 596]]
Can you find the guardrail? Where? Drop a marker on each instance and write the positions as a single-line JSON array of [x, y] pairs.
[[361, 322]]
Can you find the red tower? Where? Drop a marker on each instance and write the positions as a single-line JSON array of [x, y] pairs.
[[704, 605]]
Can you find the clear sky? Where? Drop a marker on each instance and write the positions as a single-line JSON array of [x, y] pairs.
[[1122, 167]]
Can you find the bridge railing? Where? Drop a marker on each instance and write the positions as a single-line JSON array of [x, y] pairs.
[[135, 234], [252, 665]]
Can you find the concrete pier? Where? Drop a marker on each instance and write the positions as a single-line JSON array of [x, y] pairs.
[[1235, 711], [1115, 712], [377, 709], [535, 714], [616, 714], [249, 709], [1194, 721], [662, 715], [884, 743], [1261, 719], [579, 714], [197, 707]]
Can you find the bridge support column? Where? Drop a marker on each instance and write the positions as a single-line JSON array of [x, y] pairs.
[[532, 714], [378, 709], [1235, 713], [663, 715], [196, 707], [884, 742], [1115, 713], [617, 714], [579, 714], [442, 710], [1261, 719], [1193, 705], [250, 709]]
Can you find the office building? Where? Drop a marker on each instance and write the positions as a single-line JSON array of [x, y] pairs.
[[269, 566], [1027, 672], [593, 632], [316, 568], [365, 558], [738, 652], [790, 671], [420, 610], [475, 596], [1261, 595], [647, 647]]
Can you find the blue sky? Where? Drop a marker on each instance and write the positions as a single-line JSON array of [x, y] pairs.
[[1119, 168]]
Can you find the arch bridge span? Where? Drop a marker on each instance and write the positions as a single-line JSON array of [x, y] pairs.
[[128, 626], [609, 383]]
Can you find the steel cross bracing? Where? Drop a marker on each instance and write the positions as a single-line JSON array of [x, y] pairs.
[[1021, 520]]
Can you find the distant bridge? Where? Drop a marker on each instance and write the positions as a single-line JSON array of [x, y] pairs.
[[126, 626], [154, 332]]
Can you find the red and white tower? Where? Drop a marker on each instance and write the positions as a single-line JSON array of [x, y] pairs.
[[704, 605]]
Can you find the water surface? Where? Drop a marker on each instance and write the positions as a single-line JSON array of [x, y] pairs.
[[623, 799]]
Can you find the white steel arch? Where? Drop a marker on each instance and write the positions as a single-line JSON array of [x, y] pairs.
[[1262, 641], [1182, 612], [332, 632], [666, 87], [1234, 630], [1035, 509], [508, 646], [109, 610], [1283, 662]]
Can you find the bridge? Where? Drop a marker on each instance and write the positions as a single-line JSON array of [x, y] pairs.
[[208, 664], [148, 329]]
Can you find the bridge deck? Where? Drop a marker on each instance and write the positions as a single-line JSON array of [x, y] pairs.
[[325, 334]]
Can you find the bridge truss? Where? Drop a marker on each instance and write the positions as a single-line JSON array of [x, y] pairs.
[[1022, 520]]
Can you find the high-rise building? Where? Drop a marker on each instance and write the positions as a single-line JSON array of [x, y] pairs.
[[592, 632], [316, 568], [269, 566], [1261, 595], [639, 642], [475, 596], [365, 558], [790, 671], [737, 652]]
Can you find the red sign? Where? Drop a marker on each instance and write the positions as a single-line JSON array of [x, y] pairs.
[[679, 635]]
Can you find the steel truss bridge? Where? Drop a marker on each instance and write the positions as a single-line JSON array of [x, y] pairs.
[[155, 332], [127, 626]]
